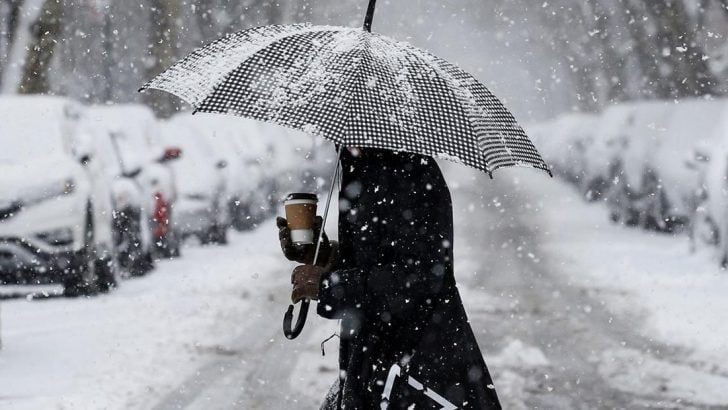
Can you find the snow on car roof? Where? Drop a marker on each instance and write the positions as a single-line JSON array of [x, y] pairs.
[[137, 121], [36, 125]]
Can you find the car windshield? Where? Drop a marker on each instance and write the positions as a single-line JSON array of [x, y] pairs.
[[24, 137], [26, 143], [128, 150]]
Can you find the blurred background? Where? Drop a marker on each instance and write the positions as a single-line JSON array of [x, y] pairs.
[[602, 288], [542, 57]]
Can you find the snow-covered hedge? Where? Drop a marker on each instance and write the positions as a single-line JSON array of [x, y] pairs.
[[659, 165]]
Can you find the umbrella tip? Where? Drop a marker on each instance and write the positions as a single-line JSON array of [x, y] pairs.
[[141, 89], [490, 174], [370, 16]]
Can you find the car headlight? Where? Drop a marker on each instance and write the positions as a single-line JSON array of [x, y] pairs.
[[42, 193]]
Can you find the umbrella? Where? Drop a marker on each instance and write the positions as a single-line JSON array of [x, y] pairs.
[[355, 88]]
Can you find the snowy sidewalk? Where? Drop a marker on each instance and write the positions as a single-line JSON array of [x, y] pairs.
[[127, 349]]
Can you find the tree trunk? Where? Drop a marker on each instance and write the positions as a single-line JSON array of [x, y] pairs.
[[163, 51], [45, 33], [652, 83], [688, 72], [9, 19], [611, 62]]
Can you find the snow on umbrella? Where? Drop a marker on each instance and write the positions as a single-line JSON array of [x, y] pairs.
[[355, 88]]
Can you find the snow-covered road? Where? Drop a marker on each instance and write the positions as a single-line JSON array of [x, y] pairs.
[[552, 337], [533, 266]]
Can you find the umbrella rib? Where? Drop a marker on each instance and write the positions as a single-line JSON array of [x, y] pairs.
[[334, 90], [356, 75], [358, 72], [268, 44], [432, 61], [435, 63], [193, 99]]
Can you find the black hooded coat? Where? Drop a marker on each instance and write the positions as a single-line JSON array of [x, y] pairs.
[[405, 337]]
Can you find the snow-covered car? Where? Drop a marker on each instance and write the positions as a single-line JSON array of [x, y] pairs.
[[295, 160], [258, 162], [292, 161], [201, 208], [602, 164], [680, 155], [132, 235], [712, 161], [222, 134], [55, 212], [563, 142], [145, 189], [636, 195]]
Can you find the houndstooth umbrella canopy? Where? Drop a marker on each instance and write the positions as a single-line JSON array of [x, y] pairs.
[[355, 88]]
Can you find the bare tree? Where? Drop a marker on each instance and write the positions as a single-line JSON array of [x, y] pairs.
[[612, 62], [45, 32], [9, 11], [686, 71], [163, 50]]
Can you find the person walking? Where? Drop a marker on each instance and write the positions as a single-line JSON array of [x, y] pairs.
[[404, 336]]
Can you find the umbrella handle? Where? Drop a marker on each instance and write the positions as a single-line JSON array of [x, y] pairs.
[[292, 333]]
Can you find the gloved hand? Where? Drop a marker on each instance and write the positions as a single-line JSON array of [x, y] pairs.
[[305, 280], [303, 253]]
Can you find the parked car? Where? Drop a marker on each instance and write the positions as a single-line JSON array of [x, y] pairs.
[[257, 156], [636, 196], [55, 213], [567, 154], [202, 208], [132, 233], [680, 155], [221, 134], [603, 166], [292, 161], [713, 165], [145, 215]]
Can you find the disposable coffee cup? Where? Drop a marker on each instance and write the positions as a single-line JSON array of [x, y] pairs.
[[301, 215]]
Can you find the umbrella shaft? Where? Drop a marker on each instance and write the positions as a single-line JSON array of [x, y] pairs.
[[328, 204]]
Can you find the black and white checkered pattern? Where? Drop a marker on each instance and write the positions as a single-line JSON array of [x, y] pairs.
[[354, 88]]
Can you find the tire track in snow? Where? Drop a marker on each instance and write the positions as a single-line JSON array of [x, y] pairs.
[[246, 374]]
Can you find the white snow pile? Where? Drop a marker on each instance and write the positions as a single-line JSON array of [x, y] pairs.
[[520, 355], [658, 165], [631, 371], [130, 350]]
